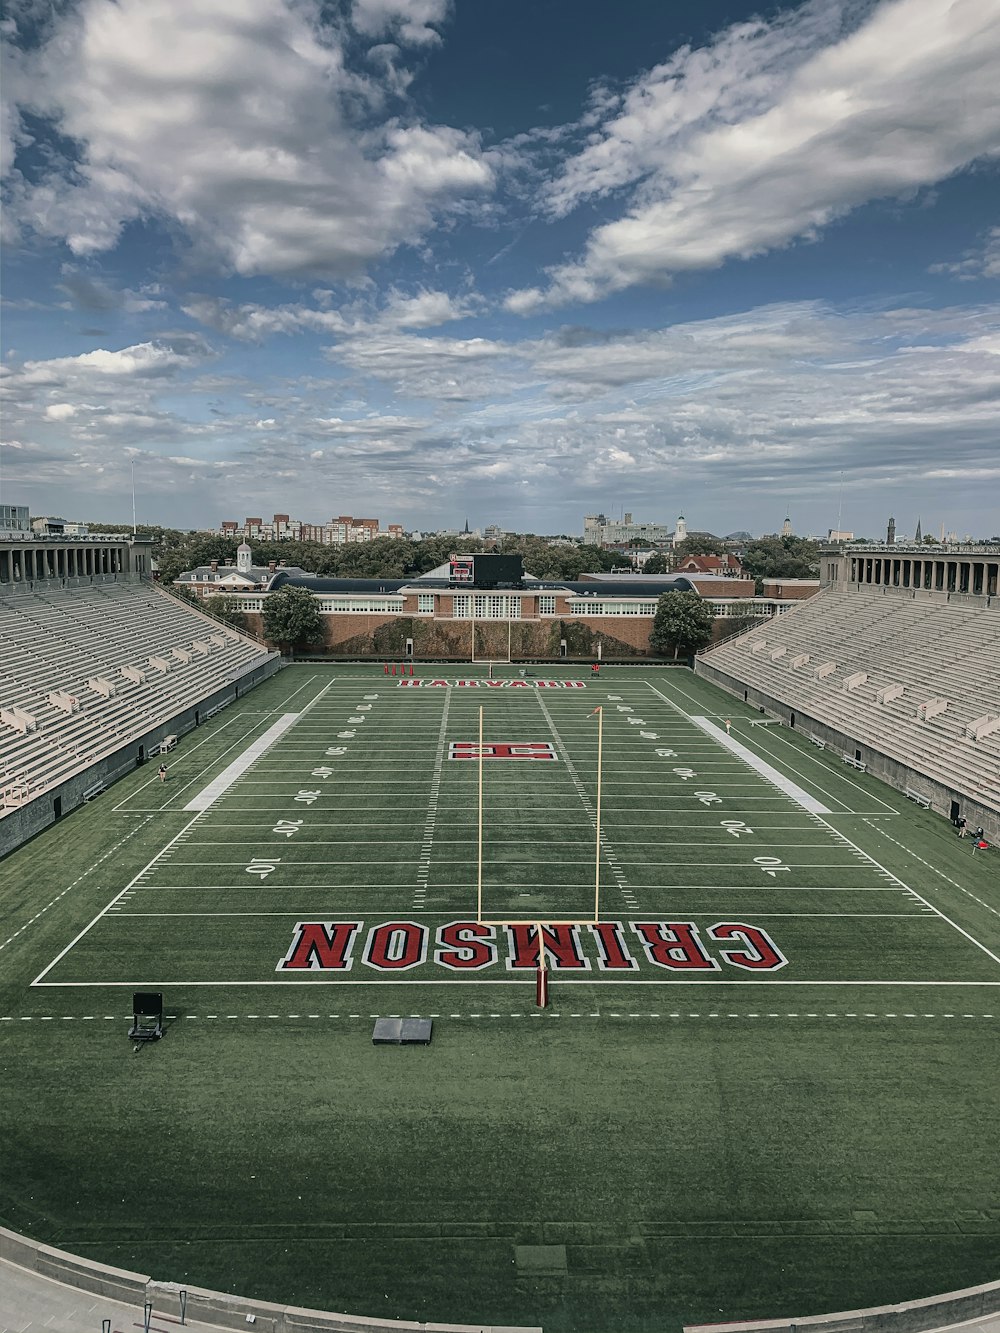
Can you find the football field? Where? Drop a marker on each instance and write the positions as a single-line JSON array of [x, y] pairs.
[[765, 1082]]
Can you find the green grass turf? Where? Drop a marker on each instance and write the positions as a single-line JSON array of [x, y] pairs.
[[702, 1151]]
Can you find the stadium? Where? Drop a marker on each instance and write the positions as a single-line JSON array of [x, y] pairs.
[[684, 990]]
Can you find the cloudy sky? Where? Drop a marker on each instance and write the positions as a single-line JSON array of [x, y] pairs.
[[515, 262]]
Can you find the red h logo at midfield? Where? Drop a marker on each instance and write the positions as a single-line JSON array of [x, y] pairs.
[[502, 750]]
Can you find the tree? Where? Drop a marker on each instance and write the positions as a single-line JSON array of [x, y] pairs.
[[782, 558], [682, 621], [699, 543], [226, 610], [291, 617], [657, 564]]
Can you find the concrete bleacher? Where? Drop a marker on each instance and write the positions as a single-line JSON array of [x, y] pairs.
[[97, 667], [916, 678]]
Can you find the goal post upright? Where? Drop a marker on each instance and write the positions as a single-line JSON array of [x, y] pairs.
[[597, 841], [479, 839]]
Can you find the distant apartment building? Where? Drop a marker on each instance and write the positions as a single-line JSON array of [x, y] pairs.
[[340, 531], [58, 527], [14, 518], [601, 531]]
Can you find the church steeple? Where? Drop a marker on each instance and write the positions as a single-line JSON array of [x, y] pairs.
[[918, 535], [466, 531]]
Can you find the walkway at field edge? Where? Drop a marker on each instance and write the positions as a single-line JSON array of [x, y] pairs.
[[32, 1303]]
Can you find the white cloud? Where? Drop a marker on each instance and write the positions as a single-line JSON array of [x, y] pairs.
[[255, 323], [775, 130], [143, 361], [981, 262], [60, 411], [408, 20], [240, 123]]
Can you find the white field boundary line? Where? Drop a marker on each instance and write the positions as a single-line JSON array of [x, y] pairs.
[[920, 898], [821, 758], [430, 820], [39, 980], [538, 1013], [546, 1013], [819, 810], [220, 785], [269, 713], [940, 873], [594, 979], [658, 887], [103, 913], [810, 758], [187, 754], [149, 782], [770, 774], [137, 828]]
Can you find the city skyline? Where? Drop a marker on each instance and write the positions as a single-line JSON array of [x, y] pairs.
[[522, 263]]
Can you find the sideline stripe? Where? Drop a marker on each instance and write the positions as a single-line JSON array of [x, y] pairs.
[[124, 1018], [790, 789], [218, 786]]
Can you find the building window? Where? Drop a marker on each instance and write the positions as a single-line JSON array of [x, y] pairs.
[[345, 606], [463, 607], [496, 606], [425, 603], [546, 605], [589, 608]]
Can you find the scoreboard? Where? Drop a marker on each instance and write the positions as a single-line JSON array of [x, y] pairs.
[[487, 571]]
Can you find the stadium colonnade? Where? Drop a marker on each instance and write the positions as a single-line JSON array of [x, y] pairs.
[[99, 669], [895, 664]]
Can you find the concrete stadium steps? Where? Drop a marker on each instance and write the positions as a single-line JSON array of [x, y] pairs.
[[930, 647], [59, 641]]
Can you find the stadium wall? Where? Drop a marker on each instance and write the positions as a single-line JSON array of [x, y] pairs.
[[379, 636], [904, 778], [20, 824], [216, 1308]]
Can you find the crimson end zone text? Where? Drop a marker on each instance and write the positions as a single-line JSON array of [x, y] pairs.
[[680, 947]]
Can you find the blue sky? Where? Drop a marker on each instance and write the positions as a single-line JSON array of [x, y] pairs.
[[514, 262]]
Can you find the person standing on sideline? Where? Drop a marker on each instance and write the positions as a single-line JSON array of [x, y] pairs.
[[163, 773], [729, 726], [961, 826]]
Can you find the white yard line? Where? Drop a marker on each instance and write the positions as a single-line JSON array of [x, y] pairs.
[[430, 822]]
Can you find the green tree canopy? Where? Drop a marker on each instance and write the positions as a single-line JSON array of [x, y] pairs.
[[225, 609], [291, 617], [657, 564], [683, 621], [782, 558], [699, 543]]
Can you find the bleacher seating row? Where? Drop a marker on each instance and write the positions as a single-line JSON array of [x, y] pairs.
[[917, 679], [84, 671]]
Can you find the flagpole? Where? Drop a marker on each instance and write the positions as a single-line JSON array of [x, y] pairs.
[[597, 848], [479, 872]]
